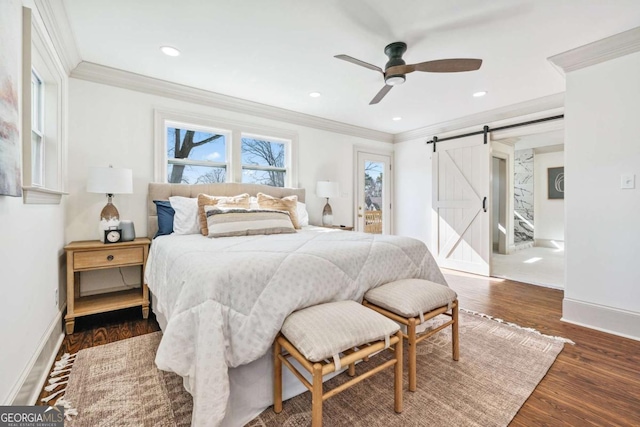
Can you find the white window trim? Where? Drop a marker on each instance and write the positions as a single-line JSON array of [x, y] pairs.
[[233, 145], [36, 40]]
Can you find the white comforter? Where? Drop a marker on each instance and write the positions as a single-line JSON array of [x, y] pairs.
[[225, 299]]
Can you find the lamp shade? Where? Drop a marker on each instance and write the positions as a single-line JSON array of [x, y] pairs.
[[327, 189], [110, 180]]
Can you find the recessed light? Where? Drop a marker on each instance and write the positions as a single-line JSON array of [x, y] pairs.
[[395, 119], [314, 94], [479, 94], [170, 51]]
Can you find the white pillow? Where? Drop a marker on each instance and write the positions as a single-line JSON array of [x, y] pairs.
[[303, 215], [253, 203], [185, 221]]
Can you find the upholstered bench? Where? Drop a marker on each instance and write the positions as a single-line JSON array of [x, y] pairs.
[[412, 302], [326, 337]]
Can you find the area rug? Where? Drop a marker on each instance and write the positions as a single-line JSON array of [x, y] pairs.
[[500, 365]]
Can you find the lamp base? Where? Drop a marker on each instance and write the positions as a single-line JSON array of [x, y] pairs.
[[327, 215], [109, 218]]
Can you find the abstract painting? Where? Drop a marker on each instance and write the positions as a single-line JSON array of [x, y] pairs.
[[556, 182], [10, 54]]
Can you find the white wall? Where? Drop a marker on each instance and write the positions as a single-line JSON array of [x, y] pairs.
[[31, 262], [549, 213], [413, 192], [115, 126], [602, 229]]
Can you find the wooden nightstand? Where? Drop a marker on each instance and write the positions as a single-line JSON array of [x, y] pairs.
[[95, 255]]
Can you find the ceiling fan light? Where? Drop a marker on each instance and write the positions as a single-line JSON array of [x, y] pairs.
[[395, 80]]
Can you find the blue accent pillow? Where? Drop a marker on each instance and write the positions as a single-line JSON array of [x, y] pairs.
[[165, 217]]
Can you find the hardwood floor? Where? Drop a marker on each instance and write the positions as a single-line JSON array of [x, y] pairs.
[[595, 382]]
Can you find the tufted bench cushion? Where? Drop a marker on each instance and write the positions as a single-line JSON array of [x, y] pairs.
[[324, 330], [411, 297]]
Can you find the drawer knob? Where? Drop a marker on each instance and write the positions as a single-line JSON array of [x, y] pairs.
[[110, 258]]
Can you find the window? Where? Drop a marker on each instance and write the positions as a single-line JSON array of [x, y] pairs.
[[263, 161], [37, 130], [44, 103], [194, 149], [196, 155]]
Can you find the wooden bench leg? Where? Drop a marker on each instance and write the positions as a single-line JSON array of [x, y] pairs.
[[454, 331], [398, 374], [316, 396], [277, 377], [352, 370], [411, 332]]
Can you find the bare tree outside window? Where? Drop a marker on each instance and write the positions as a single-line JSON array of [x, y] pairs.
[[195, 157], [263, 162]]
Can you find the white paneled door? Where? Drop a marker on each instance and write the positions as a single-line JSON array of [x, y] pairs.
[[461, 217]]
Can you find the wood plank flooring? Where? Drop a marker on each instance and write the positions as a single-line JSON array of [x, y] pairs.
[[595, 382]]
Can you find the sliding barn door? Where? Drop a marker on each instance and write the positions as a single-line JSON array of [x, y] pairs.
[[461, 220]]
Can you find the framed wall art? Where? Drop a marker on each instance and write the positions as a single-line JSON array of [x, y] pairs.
[[556, 183]]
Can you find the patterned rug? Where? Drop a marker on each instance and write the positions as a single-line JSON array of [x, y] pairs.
[[500, 365]]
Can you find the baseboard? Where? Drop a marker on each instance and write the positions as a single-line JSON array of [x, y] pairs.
[[611, 320], [28, 387]]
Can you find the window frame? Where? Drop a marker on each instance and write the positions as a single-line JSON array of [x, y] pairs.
[[38, 53], [37, 129], [236, 131]]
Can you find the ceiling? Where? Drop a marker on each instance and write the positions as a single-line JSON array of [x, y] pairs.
[[277, 52]]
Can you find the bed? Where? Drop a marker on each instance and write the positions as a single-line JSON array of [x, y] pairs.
[[221, 301]]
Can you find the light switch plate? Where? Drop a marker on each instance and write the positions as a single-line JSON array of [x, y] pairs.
[[628, 181]]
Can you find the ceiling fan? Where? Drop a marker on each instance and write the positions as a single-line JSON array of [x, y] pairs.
[[396, 69]]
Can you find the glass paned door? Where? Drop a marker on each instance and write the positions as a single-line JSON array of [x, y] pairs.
[[373, 202]]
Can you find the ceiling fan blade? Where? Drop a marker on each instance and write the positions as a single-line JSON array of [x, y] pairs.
[[385, 90], [360, 63], [449, 65]]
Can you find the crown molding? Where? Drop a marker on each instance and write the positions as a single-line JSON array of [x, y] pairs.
[[547, 103], [57, 24], [124, 79], [599, 51]]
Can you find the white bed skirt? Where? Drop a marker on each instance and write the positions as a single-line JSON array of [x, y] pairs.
[[251, 385]]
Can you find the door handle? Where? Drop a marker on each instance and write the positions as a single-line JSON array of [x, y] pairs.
[[484, 204], [359, 215]]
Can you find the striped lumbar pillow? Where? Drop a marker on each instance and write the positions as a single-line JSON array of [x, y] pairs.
[[246, 222], [239, 201]]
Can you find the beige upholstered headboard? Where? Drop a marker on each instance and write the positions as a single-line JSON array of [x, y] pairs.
[[164, 191]]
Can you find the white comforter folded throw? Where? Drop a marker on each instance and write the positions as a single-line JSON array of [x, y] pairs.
[[225, 299]]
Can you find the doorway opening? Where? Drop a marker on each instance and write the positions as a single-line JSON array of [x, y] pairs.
[[535, 242]]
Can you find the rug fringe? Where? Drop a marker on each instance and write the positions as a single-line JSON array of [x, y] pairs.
[[515, 325], [62, 366]]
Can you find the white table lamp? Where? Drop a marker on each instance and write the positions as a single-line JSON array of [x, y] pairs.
[[327, 189], [109, 181]]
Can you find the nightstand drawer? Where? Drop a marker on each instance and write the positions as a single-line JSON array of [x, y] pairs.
[[108, 257]]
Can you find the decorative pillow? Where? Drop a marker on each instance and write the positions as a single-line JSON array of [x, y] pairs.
[[288, 204], [240, 201], [246, 222], [185, 220], [165, 217], [303, 215]]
